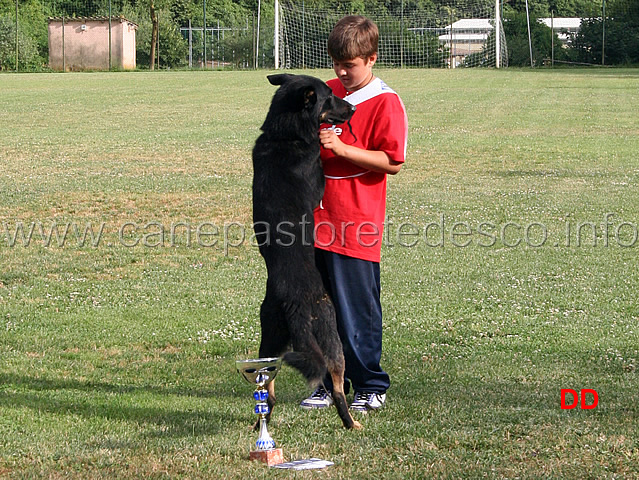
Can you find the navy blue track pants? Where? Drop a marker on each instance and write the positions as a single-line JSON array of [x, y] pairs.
[[354, 287]]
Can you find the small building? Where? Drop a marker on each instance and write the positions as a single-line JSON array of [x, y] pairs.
[[465, 37], [565, 28], [83, 43]]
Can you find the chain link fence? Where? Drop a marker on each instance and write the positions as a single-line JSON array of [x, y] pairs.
[[240, 34], [42, 35]]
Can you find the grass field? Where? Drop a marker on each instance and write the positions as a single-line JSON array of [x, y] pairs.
[[117, 350]]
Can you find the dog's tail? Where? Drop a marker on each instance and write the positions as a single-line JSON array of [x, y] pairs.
[[311, 364]]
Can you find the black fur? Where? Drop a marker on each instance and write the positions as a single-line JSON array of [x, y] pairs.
[[288, 184]]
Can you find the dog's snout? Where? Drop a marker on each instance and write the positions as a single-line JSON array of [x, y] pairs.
[[336, 111]]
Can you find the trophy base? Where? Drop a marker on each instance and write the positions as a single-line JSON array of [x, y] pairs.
[[270, 457]]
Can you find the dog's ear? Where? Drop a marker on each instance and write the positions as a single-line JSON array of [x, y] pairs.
[[310, 97], [279, 79]]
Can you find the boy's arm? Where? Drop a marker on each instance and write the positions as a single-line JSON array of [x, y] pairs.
[[374, 160]]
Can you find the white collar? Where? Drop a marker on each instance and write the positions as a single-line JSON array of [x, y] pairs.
[[374, 88]]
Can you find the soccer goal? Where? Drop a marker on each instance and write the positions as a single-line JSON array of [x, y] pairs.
[[451, 34]]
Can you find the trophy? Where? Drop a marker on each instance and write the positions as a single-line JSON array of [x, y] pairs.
[[261, 372]]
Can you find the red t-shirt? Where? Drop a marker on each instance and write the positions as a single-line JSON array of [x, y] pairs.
[[350, 219]]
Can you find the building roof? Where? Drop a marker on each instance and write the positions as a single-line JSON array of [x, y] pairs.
[[466, 30], [560, 23], [482, 24], [464, 37], [90, 19]]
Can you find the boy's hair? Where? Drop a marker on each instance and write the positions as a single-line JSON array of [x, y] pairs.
[[353, 36]]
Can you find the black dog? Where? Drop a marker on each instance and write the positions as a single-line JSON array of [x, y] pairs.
[[288, 184]]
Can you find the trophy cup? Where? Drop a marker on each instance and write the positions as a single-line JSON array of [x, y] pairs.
[[261, 372]]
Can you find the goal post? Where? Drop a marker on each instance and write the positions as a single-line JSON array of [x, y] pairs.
[[276, 40], [450, 34], [497, 35]]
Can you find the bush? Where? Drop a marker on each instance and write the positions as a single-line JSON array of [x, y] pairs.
[[28, 56]]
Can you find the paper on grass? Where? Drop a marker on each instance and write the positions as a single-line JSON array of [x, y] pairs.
[[306, 464]]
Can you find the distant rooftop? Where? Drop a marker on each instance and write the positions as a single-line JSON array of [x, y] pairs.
[[90, 19], [471, 24], [560, 23]]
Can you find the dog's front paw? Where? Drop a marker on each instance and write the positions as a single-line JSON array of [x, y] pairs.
[[357, 425]]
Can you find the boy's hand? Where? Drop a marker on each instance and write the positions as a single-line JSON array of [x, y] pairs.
[[330, 141], [377, 161]]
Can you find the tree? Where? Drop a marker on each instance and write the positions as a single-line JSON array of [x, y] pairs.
[[560, 8], [173, 49], [622, 41], [516, 31]]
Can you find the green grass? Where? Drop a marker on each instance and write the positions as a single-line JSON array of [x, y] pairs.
[[117, 361]]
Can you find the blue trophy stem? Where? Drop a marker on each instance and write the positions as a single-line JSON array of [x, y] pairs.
[[264, 441]]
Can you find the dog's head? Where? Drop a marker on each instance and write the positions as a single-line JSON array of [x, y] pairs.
[[304, 102]]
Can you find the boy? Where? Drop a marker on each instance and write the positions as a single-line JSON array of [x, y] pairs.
[[349, 220]]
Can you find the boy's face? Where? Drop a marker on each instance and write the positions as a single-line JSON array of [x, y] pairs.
[[355, 73]]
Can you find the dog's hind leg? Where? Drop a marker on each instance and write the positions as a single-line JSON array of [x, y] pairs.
[[269, 348], [270, 388], [337, 376], [274, 341], [326, 329]]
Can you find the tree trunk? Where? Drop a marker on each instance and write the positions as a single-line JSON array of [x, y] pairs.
[[154, 33]]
